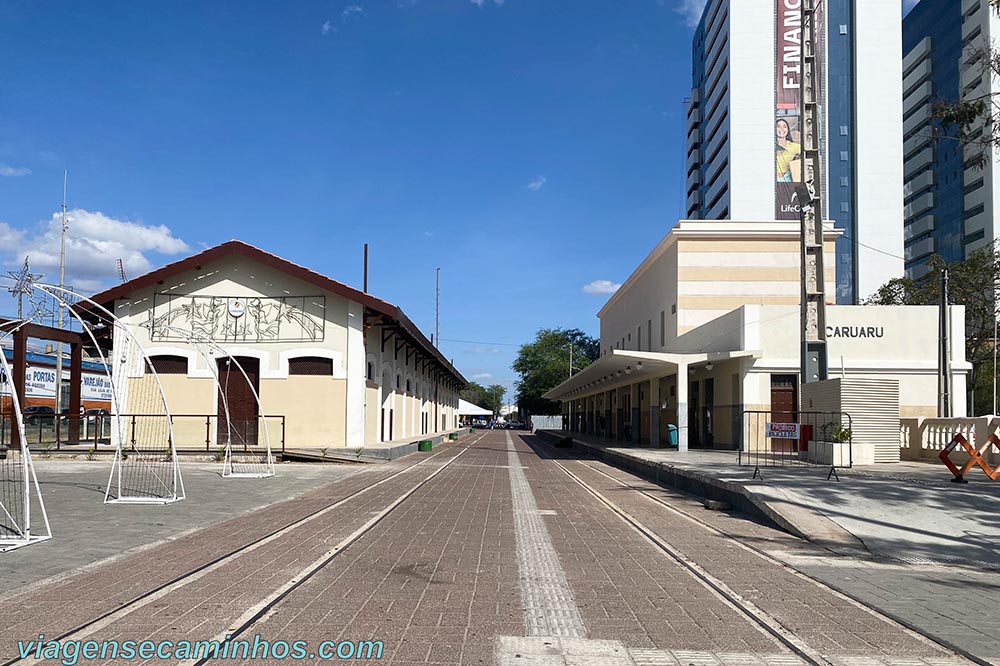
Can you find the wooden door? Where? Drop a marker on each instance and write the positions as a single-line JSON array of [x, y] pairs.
[[784, 405], [239, 394]]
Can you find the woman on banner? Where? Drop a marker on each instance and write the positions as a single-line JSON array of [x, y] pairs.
[[785, 151]]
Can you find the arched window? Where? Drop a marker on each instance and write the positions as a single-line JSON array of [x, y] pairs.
[[168, 365], [407, 385], [371, 371], [399, 382]]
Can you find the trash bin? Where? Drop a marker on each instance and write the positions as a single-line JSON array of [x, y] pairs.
[[671, 435], [425, 445]]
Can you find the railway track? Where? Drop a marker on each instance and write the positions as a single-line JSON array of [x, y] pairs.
[[762, 619], [449, 454]]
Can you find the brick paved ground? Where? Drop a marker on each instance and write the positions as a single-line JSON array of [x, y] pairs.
[[955, 604], [61, 606], [474, 547]]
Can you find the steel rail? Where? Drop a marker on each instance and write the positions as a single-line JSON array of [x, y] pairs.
[[179, 580]]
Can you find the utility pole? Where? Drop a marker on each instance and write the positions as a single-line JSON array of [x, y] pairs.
[[944, 356], [571, 359], [59, 310], [437, 308], [366, 269], [810, 196]]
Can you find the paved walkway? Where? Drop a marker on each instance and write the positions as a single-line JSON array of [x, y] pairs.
[[496, 549], [931, 548]]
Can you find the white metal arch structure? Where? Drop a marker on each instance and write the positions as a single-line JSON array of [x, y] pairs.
[[243, 459], [20, 495], [145, 469]]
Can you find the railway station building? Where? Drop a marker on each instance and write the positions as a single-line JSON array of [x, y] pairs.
[[708, 325], [333, 366]]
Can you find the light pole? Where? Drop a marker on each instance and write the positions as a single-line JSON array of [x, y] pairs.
[[994, 405]]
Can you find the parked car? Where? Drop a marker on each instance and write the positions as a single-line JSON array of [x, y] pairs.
[[95, 414], [39, 413]]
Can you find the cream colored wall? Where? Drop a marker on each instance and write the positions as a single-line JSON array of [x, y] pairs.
[[237, 276], [371, 412], [189, 396], [641, 302], [707, 269], [716, 276], [314, 409]]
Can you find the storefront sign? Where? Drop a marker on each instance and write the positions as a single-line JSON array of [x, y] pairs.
[[41, 383], [855, 331], [782, 430]]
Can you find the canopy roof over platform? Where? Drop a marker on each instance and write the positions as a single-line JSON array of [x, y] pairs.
[[621, 367]]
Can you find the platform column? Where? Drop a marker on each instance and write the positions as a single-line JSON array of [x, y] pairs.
[[654, 412], [682, 407]]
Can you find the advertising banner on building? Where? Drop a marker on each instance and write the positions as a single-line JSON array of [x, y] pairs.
[[40, 382], [788, 94]]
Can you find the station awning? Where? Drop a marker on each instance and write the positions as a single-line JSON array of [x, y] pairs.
[[623, 367]]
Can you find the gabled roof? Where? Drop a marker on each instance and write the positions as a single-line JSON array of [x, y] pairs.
[[237, 247]]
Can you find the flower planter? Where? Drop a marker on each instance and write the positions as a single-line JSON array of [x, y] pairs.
[[822, 452]]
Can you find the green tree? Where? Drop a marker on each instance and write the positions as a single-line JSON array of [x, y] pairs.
[[474, 393], [973, 283], [973, 121], [493, 399], [545, 363]]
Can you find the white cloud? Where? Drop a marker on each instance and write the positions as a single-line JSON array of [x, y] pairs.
[[480, 3], [536, 184], [13, 172], [328, 27], [477, 3], [94, 243], [351, 9], [601, 287], [480, 350], [691, 10], [482, 375]]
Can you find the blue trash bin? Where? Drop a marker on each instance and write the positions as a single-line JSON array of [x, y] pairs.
[[671, 434]]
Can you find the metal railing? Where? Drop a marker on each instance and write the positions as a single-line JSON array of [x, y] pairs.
[[191, 431], [786, 438]]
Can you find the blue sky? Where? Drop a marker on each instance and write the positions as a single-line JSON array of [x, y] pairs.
[[528, 149]]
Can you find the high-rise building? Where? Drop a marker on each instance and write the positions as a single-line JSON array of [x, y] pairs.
[[743, 132], [950, 197]]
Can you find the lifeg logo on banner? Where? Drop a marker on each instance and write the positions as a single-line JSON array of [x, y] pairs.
[[782, 430], [855, 331]]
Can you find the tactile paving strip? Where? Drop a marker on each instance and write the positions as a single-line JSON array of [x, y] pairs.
[[549, 606]]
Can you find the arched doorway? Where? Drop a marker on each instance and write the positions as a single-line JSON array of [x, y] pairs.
[[239, 394]]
